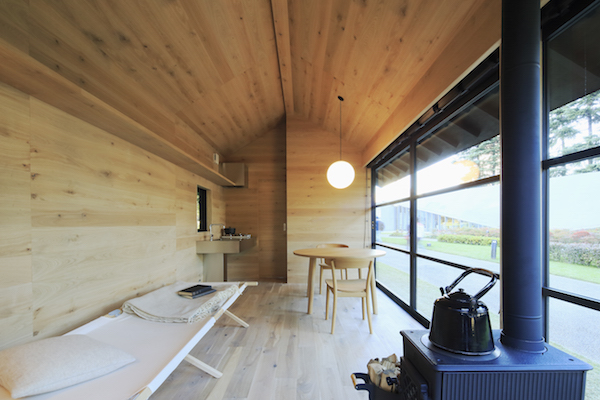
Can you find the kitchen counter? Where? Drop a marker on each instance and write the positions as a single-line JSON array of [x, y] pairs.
[[224, 246], [215, 252]]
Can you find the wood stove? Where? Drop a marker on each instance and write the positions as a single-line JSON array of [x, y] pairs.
[[505, 374]]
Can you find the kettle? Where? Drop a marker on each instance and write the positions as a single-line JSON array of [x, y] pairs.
[[460, 322]]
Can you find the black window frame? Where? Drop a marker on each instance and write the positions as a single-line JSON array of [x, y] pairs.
[[482, 80], [202, 209], [557, 16]]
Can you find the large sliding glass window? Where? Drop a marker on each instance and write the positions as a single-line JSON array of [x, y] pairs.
[[437, 190], [572, 186], [437, 198]]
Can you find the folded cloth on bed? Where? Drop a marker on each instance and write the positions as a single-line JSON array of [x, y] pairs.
[[165, 305]]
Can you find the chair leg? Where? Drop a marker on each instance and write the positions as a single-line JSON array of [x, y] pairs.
[[366, 298], [321, 281], [327, 303], [362, 302], [333, 313], [374, 296]]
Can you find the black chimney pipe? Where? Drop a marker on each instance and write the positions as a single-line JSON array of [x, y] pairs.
[[520, 120]]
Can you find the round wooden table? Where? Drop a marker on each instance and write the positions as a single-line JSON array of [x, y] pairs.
[[334, 252]]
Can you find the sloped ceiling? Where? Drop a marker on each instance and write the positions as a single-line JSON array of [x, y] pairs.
[[224, 72]]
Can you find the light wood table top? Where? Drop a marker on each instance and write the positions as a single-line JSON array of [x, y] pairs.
[[339, 252], [333, 252]]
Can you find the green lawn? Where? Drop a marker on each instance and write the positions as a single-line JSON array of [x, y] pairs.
[[574, 271]]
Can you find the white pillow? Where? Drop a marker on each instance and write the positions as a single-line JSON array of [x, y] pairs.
[[55, 363]]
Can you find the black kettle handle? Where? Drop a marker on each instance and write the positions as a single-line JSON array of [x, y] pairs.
[[483, 291]]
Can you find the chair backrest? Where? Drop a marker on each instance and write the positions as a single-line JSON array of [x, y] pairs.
[[324, 245], [349, 263]]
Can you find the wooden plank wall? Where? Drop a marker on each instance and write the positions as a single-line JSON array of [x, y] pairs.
[[317, 212], [260, 209], [87, 220]]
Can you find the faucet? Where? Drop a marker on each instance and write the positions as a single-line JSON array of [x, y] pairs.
[[211, 232]]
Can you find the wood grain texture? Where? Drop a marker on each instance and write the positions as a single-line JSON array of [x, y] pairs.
[[375, 54], [284, 56], [32, 77], [478, 34], [162, 63], [285, 353], [260, 209], [208, 76], [317, 212], [88, 220], [16, 299]]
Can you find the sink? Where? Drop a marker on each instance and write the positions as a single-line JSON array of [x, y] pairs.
[[229, 244]]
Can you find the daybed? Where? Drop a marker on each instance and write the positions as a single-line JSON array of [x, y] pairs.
[[157, 347]]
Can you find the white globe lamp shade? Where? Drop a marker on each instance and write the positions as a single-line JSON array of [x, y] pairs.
[[340, 174]]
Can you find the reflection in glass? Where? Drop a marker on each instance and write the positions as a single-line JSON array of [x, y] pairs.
[[431, 276], [477, 162], [392, 224], [393, 272], [393, 179], [573, 77], [566, 319], [574, 219], [464, 149], [574, 127], [461, 226]]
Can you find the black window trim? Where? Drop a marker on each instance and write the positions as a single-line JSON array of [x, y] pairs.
[[202, 208], [557, 16], [477, 84]]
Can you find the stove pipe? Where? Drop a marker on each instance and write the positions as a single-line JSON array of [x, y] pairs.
[[520, 119]]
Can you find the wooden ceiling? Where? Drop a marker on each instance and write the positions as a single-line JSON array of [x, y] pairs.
[[224, 72]]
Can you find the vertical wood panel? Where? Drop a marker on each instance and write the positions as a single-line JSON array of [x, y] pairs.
[[317, 212], [259, 209]]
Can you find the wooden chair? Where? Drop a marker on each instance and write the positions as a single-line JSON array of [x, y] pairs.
[[350, 287], [325, 264]]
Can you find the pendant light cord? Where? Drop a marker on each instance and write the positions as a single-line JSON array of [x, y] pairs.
[[341, 99]]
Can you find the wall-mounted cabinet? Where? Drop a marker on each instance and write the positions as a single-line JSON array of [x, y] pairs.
[[235, 172]]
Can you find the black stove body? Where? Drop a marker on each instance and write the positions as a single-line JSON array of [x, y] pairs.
[[506, 374]]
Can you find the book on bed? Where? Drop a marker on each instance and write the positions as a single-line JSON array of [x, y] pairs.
[[196, 291]]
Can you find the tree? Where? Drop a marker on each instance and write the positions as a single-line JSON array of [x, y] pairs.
[[486, 155], [561, 129], [574, 122]]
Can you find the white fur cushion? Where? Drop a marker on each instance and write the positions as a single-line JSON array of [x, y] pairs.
[[58, 362]]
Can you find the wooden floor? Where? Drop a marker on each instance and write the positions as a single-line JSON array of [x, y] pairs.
[[285, 353]]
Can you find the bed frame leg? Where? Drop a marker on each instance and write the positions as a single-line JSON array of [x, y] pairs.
[[203, 366], [236, 318]]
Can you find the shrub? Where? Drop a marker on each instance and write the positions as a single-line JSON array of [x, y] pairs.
[[398, 234], [590, 236], [468, 239], [575, 253], [470, 231]]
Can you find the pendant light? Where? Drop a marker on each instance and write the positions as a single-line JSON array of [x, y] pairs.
[[340, 174]]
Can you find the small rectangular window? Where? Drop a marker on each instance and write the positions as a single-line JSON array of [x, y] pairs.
[[201, 208]]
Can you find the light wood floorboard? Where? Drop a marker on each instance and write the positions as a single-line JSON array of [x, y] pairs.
[[287, 354]]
